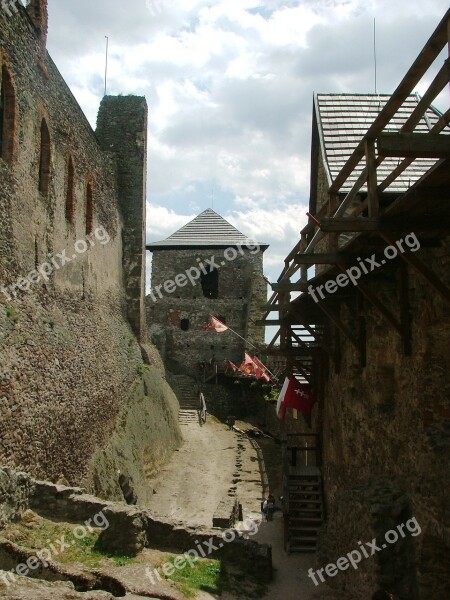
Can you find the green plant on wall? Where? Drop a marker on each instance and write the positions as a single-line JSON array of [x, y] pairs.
[[11, 313], [272, 393]]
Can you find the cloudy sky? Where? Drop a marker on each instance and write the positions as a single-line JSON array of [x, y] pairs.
[[230, 87]]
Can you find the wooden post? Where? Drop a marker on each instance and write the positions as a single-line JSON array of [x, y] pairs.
[[372, 192], [304, 268], [333, 244]]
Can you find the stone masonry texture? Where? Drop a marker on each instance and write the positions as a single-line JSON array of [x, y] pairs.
[[386, 432], [71, 368], [242, 291]]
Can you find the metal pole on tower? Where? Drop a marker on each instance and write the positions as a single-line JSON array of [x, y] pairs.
[[106, 62]]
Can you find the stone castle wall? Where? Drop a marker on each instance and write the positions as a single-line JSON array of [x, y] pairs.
[[386, 429], [69, 357], [242, 291]]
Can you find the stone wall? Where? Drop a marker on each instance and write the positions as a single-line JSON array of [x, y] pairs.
[[242, 291], [389, 422], [69, 357], [144, 438], [130, 529]]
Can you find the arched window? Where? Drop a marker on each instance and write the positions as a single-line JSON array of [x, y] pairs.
[[7, 116], [210, 284], [70, 193], [44, 160], [89, 209], [184, 324]]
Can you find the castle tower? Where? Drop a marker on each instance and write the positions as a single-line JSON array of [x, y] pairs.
[[206, 267], [122, 129]]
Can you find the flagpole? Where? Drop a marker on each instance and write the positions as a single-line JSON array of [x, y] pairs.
[[243, 339]]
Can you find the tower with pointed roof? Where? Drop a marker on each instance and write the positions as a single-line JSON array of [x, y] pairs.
[[206, 267]]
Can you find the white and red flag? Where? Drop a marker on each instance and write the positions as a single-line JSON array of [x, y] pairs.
[[264, 373], [214, 323], [294, 395]]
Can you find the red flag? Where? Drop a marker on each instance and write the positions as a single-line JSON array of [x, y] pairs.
[[214, 323], [294, 395], [253, 366], [262, 367]]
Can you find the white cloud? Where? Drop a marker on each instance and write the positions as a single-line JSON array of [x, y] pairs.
[[229, 86]]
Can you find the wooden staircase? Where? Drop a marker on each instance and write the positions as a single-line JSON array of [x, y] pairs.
[[305, 512]]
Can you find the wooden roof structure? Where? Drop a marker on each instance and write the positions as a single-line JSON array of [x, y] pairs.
[[343, 120], [390, 177], [207, 230]]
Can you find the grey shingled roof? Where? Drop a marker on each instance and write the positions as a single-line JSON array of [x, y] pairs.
[[343, 120], [208, 229]]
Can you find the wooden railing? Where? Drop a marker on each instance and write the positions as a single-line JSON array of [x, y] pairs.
[[377, 144]]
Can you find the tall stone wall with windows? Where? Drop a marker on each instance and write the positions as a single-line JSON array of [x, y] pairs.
[[71, 269], [176, 314]]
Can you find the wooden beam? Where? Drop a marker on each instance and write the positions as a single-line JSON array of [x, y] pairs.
[[414, 145], [295, 352], [273, 307], [268, 322], [423, 62], [348, 224], [369, 147], [397, 223], [323, 259], [290, 287], [274, 339]]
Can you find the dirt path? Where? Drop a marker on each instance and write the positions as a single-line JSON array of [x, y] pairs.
[[214, 462]]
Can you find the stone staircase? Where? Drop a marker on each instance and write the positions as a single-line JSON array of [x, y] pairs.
[[305, 509], [186, 391]]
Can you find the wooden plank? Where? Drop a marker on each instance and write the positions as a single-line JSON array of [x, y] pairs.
[[267, 322], [414, 145]]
